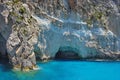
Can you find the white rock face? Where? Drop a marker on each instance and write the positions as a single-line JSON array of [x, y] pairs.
[[75, 36]]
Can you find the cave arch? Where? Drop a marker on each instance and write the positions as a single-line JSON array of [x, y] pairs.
[[67, 53]]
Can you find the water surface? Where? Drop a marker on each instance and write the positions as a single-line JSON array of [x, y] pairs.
[[66, 70]]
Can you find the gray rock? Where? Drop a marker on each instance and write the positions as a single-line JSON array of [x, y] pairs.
[[26, 63], [2, 46], [41, 28]]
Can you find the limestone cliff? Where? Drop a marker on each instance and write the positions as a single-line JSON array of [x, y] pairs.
[[31, 29]]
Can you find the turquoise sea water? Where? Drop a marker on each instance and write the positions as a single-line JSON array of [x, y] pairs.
[[66, 70]]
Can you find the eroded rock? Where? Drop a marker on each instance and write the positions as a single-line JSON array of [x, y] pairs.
[[41, 28]]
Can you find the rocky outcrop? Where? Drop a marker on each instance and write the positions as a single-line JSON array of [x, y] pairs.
[[5, 29], [83, 26], [19, 34], [43, 29], [86, 42]]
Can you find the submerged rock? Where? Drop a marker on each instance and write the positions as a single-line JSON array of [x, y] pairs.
[[31, 29]]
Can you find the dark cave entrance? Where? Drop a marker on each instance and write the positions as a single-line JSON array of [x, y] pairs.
[[3, 51], [67, 54]]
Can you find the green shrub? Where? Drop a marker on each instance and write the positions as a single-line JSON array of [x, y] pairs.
[[98, 15], [22, 10], [15, 1]]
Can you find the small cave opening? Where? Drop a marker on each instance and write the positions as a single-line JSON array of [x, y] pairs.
[[4, 58], [67, 54], [3, 50]]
